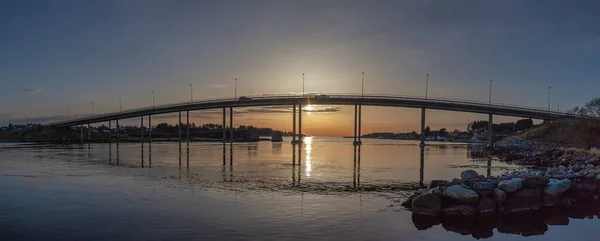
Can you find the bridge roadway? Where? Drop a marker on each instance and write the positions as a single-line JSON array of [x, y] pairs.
[[328, 99]]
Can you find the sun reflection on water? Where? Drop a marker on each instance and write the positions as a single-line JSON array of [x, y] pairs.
[[308, 147]]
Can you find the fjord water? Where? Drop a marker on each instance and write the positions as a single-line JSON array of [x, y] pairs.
[[325, 190]]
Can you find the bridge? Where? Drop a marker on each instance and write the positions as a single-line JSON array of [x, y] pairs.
[[297, 101]]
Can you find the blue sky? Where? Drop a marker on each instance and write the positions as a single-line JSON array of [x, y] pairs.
[[59, 54]]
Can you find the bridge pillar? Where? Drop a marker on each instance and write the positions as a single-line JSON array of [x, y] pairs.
[[179, 138], [300, 137], [150, 141], [231, 124], [89, 133], [422, 127], [81, 133], [118, 135], [142, 138], [187, 116], [490, 132], [109, 133], [224, 126], [355, 123], [294, 124]]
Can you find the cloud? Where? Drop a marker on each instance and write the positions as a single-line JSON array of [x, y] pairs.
[[31, 91]]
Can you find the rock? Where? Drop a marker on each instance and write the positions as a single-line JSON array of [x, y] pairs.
[[581, 189], [499, 196], [484, 188], [461, 194], [598, 176], [427, 204], [589, 166], [535, 181], [486, 205], [437, 191], [560, 220], [468, 174], [511, 186], [557, 187], [551, 170], [459, 210], [437, 183], [523, 200], [562, 168]]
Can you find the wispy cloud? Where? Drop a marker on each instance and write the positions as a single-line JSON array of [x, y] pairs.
[[31, 91]]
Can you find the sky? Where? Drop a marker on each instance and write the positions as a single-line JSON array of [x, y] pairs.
[[61, 54]]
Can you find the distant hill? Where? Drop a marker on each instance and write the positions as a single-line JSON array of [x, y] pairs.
[[571, 132]]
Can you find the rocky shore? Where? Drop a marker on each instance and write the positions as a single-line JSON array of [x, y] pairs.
[[552, 178]]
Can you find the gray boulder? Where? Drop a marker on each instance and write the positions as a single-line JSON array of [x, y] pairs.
[[461, 194], [511, 185], [484, 188], [468, 174], [427, 204], [486, 205], [437, 183], [557, 187], [535, 181], [460, 210], [499, 196]]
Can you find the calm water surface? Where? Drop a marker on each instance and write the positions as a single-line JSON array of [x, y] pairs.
[[323, 190]]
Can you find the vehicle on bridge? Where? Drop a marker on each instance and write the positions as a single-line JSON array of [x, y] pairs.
[[323, 96], [244, 98]]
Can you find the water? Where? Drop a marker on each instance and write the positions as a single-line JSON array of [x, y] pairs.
[[265, 191]]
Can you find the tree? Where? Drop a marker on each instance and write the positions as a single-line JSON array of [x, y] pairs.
[[523, 124], [443, 132], [592, 107], [427, 131]]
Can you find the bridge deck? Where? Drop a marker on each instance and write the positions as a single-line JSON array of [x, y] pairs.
[[330, 99]]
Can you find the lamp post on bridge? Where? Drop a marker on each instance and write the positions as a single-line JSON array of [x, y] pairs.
[[153, 99], [92, 108], [490, 101], [426, 86], [362, 93], [191, 94], [235, 90], [120, 104], [549, 88], [302, 84]]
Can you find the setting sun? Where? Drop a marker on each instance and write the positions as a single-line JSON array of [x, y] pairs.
[[309, 107]]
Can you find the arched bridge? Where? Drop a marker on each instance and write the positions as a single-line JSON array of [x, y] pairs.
[[358, 100]]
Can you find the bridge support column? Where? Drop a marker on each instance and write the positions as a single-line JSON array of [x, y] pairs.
[[187, 116], [109, 142], [89, 133], [359, 125], [142, 138], [179, 138], [118, 135], [231, 124], [81, 133], [150, 141], [355, 123], [224, 125], [422, 127], [300, 137], [490, 143], [294, 124]]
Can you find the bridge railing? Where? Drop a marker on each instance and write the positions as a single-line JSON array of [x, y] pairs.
[[340, 95]]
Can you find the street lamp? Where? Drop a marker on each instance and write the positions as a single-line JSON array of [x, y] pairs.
[[490, 92], [549, 88], [235, 91], [191, 94], [152, 98], [426, 86], [92, 108], [302, 84], [27, 122], [120, 104], [363, 85]]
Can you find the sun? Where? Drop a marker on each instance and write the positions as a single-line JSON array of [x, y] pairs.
[[309, 107]]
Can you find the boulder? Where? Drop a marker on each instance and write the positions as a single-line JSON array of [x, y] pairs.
[[523, 200], [535, 181], [581, 189], [557, 187], [484, 188], [562, 168], [511, 185], [486, 205], [589, 166], [461, 194], [499, 196], [460, 210], [437, 191], [468, 174], [437, 183], [427, 204]]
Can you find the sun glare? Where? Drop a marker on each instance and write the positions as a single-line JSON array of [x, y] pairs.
[[309, 107]]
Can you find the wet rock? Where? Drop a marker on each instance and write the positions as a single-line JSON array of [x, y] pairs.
[[484, 188], [561, 220], [427, 204], [512, 185], [461, 194], [437, 183], [408, 202], [551, 170], [589, 166], [499, 196], [557, 187], [562, 168], [535, 181], [437, 191], [581, 189], [486, 205], [459, 210], [468, 174], [526, 199]]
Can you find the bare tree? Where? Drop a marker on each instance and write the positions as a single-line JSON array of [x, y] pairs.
[[592, 107]]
